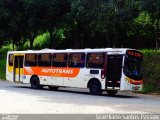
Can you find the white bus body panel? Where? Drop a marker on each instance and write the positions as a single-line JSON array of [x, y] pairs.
[[81, 80]]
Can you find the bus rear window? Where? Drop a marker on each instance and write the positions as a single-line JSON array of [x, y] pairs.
[[77, 60], [95, 60], [44, 59], [10, 60], [31, 60], [60, 60]]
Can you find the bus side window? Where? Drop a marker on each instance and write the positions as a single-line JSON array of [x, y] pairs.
[[31, 60], [44, 59], [60, 60], [10, 60], [77, 60], [95, 60]]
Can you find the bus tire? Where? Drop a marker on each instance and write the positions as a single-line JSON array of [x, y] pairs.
[[54, 88], [35, 83], [95, 88], [111, 92]]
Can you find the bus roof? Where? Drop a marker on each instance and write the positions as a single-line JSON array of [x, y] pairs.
[[109, 50]]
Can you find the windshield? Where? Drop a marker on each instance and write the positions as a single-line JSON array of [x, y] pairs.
[[132, 67]]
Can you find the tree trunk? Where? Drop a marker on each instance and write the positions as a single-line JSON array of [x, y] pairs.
[[53, 42], [157, 42], [115, 35], [13, 44], [31, 42], [76, 44], [51, 39], [157, 34], [115, 39], [108, 40]]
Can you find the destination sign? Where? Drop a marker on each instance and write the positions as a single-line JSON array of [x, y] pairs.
[[134, 53]]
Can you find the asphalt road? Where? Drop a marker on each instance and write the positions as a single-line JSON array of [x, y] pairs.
[[20, 98]]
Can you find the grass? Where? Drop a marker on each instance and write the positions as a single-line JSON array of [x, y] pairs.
[[3, 68], [3, 54], [148, 88]]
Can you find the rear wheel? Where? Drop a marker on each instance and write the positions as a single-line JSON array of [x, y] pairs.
[[35, 83], [53, 88], [95, 88], [112, 92]]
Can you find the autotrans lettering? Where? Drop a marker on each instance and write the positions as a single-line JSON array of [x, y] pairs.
[[61, 71]]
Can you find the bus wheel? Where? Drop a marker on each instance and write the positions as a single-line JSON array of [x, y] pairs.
[[112, 92], [53, 88], [35, 84], [95, 88]]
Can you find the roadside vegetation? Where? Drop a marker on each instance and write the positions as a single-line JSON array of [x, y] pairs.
[[3, 55], [151, 71]]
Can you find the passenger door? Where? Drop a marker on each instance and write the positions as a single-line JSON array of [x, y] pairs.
[[18, 69], [114, 70]]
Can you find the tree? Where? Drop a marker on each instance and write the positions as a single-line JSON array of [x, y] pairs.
[[99, 23], [10, 19], [153, 7], [117, 18], [33, 19], [141, 31], [51, 13], [80, 23]]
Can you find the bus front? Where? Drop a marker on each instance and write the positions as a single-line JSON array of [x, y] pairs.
[[132, 71]]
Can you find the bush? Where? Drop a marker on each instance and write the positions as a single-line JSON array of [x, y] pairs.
[[3, 69], [3, 55], [42, 41], [151, 70], [148, 88]]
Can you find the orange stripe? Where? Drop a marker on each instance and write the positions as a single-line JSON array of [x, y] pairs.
[[135, 82], [53, 71]]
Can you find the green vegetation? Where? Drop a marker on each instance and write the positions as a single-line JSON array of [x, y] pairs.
[[151, 70], [3, 68], [40, 42], [3, 55], [80, 24]]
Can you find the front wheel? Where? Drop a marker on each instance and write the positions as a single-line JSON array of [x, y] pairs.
[[112, 92], [35, 83], [95, 88]]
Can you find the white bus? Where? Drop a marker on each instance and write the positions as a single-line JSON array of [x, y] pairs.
[[106, 69]]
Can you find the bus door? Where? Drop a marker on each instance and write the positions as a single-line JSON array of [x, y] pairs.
[[114, 70], [18, 68]]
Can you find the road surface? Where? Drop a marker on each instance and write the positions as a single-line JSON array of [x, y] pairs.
[[21, 99]]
